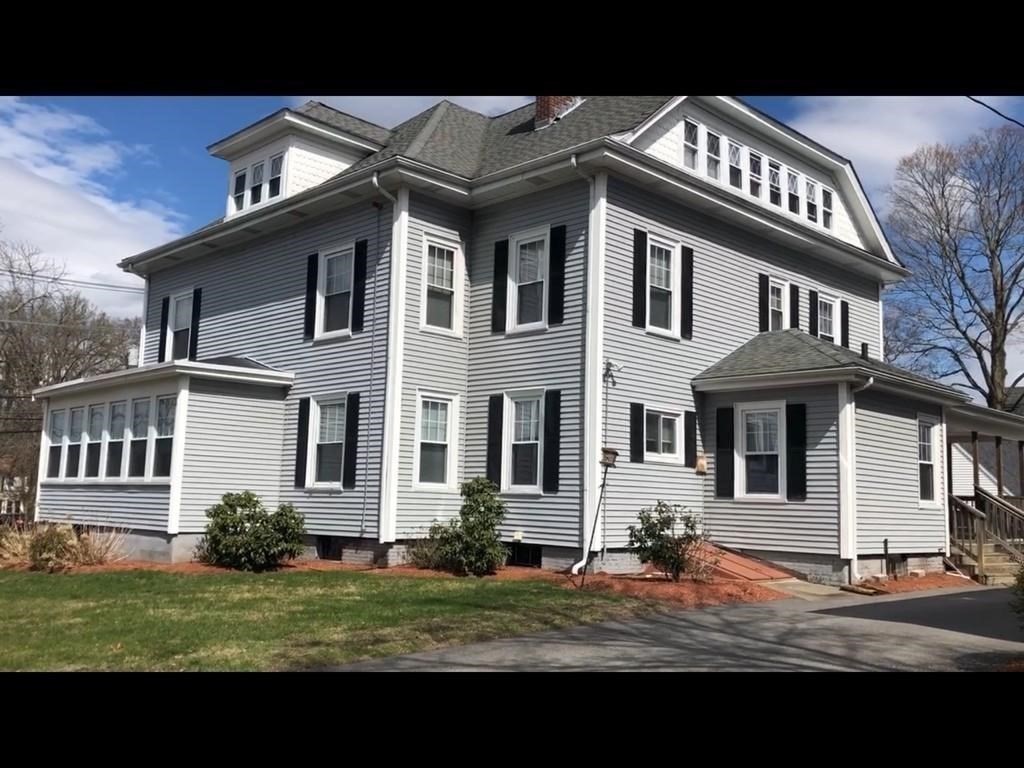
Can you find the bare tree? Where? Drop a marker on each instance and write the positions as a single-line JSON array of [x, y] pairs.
[[48, 334], [957, 222]]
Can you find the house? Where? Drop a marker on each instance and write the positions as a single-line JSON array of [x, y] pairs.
[[383, 313]]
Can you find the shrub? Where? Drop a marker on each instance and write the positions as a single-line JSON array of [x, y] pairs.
[[470, 544], [14, 544], [671, 539], [241, 534], [96, 546], [52, 548]]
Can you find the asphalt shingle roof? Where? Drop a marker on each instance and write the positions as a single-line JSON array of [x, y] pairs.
[[792, 350], [320, 112]]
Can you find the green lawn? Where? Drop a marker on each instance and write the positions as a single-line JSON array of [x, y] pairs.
[[150, 620]]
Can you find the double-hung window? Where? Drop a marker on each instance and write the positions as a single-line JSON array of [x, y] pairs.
[[926, 428], [115, 439], [526, 420], [754, 164], [662, 435], [735, 165], [760, 433], [812, 200], [690, 139], [57, 425], [274, 185], [165, 412], [793, 185], [661, 306], [336, 291], [330, 441], [826, 318], [441, 287], [776, 305], [434, 452], [140, 438], [774, 183], [256, 184], [94, 440], [714, 142], [528, 271], [826, 208], [74, 455], [238, 194], [181, 325]]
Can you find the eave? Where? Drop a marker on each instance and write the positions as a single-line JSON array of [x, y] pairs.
[[281, 122]]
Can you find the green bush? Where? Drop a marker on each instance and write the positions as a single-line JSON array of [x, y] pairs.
[[671, 539], [470, 544], [52, 548], [241, 534]]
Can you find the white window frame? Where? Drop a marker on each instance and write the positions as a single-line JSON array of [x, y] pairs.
[[50, 444], [321, 288], [740, 450], [758, 177], [270, 165], [738, 166], [512, 293], [834, 301], [809, 186], [674, 264], [313, 439], [458, 284], [232, 195], [246, 194], [774, 282], [695, 146], [262, 165], [68, 442], [932, 422], [172, 317], [708, 156], [799, 212], [156, 436], [98, 439], [147, 472], [451, 469], [122, 475], [827, 209], [664, 458], [781, 169], [508, 431]]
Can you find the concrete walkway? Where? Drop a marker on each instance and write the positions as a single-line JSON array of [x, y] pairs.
[[947, 630]]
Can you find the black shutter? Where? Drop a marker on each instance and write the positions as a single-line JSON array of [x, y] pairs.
[[724, 459], [844, 315], [165, 309], [552, 438], [359, 285], [636, 433], [193, 333], [499, 286], [686, 294], [556, 275], [312, 264], [794, 306], [639, 278], [689, 439], [495, 415], [348, 469], [796, 452], [301, 443], [762, 302], [812, 323]]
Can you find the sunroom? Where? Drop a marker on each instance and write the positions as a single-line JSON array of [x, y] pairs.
[[113, 449]]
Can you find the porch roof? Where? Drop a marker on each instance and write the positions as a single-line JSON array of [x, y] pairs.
[[964, 419], [793, 357], [243, 370]]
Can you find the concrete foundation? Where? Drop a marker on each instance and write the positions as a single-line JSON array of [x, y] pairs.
[[356, 551], [161, 547], [818, 569]]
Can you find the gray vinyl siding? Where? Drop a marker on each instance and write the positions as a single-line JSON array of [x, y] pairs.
[[232, 444], [253, 304], [811, 525], [433, 362], [124, 506], [888, 505], [552, 359]]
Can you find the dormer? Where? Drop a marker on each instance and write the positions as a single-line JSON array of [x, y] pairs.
[[291, 151]]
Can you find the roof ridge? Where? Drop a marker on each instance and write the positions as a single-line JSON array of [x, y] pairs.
[[417, 144], [347, 114]]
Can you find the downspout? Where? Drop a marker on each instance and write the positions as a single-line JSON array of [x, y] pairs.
[[379, 188], [854, 573]]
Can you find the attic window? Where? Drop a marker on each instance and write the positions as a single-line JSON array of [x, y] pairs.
[[812, 200], [276, 164], [239, 193], [774, 183], [735, 169], [826, 208], [256, 191], [794, 193], [754, 163], [714, 142], [690, 145]]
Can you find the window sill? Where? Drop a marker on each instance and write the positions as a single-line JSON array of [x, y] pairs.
[[663, 334], [330, 490], [444, 332], [524, 493], [525, 330], [325, 338], [435, 487], [931, 506], [670, 461], [761, 499]]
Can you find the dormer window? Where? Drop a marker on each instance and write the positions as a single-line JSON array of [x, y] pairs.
[[258, 183], [754, 163], [735, 169], [256, 190], [794, 193], [690, 144], [714, 148], [812, 200], [826, 208], [774, 183], [239, 193], [274, 186]]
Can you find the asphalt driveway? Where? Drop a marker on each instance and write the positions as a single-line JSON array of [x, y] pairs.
[[940, 630]]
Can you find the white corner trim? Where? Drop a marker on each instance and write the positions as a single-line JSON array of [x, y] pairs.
[[654, 119], [177, 455], [44, 445], [847, 476], [142, 332], [946, 481], [881, 326], [593, 390], [387, 526]]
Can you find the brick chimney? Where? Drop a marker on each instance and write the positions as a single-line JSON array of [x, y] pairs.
[[551, 108]]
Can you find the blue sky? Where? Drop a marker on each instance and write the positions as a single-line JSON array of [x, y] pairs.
[[90, 180]]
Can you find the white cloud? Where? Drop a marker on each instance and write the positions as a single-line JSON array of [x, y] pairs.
[[874, 132], [55, 169], [389, 111]]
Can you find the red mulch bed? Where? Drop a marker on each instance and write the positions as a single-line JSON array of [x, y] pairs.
[[916, 583], [686, 593], [1017, 665]]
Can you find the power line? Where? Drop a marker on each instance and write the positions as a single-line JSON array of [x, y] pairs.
[[49, 325], [993, 109], [78, 283]]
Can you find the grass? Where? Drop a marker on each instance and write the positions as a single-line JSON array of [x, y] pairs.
[[149, 620]]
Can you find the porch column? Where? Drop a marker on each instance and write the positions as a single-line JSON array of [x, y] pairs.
[[974, 456], [999, 466]]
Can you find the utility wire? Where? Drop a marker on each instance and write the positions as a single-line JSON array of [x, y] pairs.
[[49, 325], [77, 283], [993, 109]]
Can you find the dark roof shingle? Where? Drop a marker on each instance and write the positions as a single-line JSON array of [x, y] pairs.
[[320, 112]]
